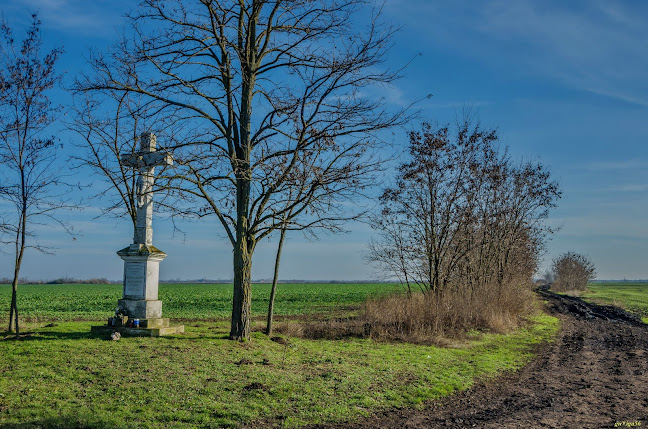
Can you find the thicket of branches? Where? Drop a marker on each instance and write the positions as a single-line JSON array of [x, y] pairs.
[[463, 223], [571, 272]]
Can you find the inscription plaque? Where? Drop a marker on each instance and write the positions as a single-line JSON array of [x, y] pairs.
[[134, 278]]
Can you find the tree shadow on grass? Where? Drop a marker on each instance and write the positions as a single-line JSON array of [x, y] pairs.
[[87, 335], [47, 335]]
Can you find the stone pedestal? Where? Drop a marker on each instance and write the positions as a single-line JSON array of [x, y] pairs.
[[140, 295], [141, 278]]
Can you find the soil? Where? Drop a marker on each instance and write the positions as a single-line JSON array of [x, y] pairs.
[[595, 375]]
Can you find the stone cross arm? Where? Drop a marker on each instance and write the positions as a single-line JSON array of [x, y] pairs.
[[146, 159]]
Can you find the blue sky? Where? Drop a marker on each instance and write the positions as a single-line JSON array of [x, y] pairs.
[[563, 81]]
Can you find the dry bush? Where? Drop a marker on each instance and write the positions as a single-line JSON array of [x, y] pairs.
[[426, 317], [465, 225], [572, 272], [449, 313], [329, 329]]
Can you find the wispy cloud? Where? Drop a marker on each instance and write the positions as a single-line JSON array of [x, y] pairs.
[[75, 16], [618, 165], [637, 187], [595, 46], [586, 41]]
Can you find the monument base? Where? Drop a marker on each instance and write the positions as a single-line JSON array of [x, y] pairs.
[[141, 308], [157, 327]]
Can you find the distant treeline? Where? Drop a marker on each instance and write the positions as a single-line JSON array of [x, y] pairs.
[[263, 281], [104, 281], [63, 280]]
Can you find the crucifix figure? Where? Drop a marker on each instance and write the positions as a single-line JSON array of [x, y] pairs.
[[145, 161]]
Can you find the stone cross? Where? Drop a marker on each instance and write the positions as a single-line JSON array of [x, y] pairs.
[[142, 259], [140, 301], [145, 161]]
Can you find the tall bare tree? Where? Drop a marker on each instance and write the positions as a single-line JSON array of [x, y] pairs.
[[29, 180], [277, 94]]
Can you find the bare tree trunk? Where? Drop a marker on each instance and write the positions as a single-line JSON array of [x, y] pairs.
[[13, 305], [20, 250], [13, 317], [273, 291], [11, 310], [243, 248], [241, 303]]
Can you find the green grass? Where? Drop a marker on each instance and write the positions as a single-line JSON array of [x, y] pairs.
[[187, 301], [62, 376], [631, 296]]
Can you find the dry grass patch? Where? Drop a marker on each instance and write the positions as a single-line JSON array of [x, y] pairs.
[[425, 318]]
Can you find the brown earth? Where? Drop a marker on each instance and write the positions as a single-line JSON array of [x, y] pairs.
[[595, 375]]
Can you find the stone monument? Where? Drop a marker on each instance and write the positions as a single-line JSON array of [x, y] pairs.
[[141, 259]]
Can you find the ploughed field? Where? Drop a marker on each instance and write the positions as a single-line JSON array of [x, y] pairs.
[[60, 375]]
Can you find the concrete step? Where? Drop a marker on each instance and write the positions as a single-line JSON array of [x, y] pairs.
[[154, 323], [138, 332]]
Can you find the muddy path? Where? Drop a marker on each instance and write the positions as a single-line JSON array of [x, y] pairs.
[[595, 375]]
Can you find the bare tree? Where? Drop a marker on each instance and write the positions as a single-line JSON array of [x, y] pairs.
[[278, 95], [572, 272], [461, 212], [29, 180]]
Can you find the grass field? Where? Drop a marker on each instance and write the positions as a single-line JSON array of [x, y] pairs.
[[61, 376], [631, 296]]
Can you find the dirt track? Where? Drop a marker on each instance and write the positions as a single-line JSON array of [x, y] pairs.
[[594, 376]]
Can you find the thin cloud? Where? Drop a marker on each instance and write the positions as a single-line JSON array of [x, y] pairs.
[[74, 16], [593, 46], [623, 165], [638, 187], [631, 99]]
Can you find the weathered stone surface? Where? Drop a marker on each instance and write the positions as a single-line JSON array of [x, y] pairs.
[[145, 162]]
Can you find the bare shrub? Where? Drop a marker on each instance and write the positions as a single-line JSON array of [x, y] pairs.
[[425, 317], [464, 224], [448, 313], [328, 329], [462, 212], [572, 272]]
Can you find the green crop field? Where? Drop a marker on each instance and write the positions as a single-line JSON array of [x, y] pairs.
[[188, 301], [60, 375], [631, 296]]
